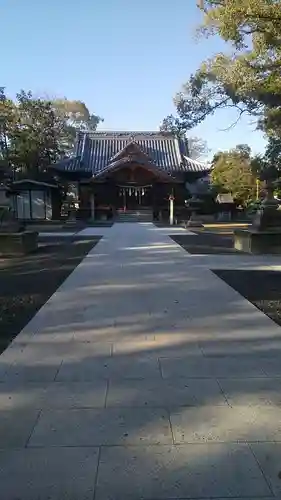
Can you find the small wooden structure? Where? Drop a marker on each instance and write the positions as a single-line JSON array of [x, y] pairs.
[[226, 206], [34, 200], [14, 239]]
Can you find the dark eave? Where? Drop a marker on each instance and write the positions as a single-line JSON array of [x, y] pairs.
[[72, 164], [120, 163], [34, 183]]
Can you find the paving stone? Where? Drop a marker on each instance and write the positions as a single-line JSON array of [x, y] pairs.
[[114, 367], [186, 367], [166, 320], [236, 367], [79, 332], [164, 393], [76, 395], [50, 351], [153, 293], [3, 368], [90, 347], [252, 391], [141, 344], [225, 424], [110, 426], [229, 326], [16, 426], [11, 353], [271, 365], [175, 345], [40, 395], [35, 363], [48, 474], [9, 356], [37, 372], [268, 456], [22, 395], [130, 333], [234, 346], [185, 472]]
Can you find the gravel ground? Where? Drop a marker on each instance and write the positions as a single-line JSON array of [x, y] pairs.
[[262, 288], [27, 282]]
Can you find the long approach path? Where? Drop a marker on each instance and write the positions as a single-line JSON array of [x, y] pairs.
[[143, 377]]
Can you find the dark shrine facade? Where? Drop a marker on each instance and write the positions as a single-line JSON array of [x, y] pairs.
[[124, 171]]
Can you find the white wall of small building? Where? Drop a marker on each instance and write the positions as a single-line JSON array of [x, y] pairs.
[[37, 204], [33, 204]]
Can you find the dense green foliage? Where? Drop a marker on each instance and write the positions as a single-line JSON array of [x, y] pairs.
[[34, 132], [197, 147], [247, 77], [232, 173]]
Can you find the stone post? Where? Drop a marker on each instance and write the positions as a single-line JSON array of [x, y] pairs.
[[171, 199]]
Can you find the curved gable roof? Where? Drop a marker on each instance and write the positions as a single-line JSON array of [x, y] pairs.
[[96, 150]]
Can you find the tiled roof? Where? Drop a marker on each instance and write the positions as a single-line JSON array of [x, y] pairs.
[[195, 166], [72, 164], [96, 150]]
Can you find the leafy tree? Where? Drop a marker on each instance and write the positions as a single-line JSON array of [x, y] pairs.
[[77, 117], [174, 125], [7, 119], [249, 79], [267, 167], [244, 150], [35, 135], [36, 132], [232, 173], [197, 147], [273, 152]]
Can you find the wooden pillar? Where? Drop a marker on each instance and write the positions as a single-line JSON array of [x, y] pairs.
[[93, 206], [85, 202]]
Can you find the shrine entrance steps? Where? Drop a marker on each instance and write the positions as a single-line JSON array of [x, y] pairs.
[[142, 215]]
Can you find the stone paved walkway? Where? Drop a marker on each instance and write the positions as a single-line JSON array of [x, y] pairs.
[[143, 377]]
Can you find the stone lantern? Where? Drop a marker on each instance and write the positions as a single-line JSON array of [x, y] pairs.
[[195, 205]]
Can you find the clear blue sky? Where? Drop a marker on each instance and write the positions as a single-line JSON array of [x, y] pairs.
[[124, 58]]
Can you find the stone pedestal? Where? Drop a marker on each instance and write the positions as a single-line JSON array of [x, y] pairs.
[[194, 204], [72, 219], [20, 243], [195, 221], [264, 237], [257, 242], [267, 218]]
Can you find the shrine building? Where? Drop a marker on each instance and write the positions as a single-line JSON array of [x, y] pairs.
[[129, 171]]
